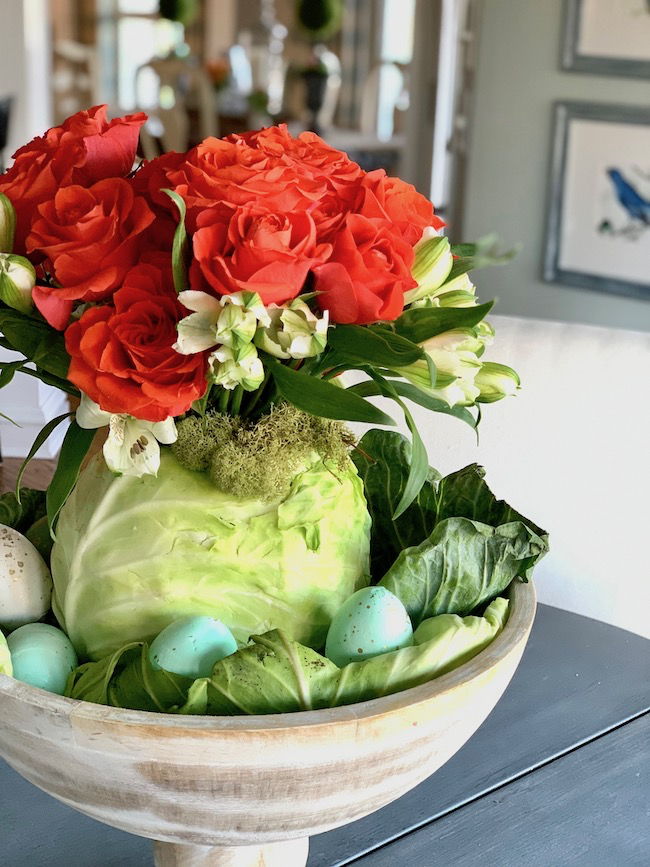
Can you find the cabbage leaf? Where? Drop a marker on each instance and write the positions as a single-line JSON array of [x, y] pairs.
[[274, 674]]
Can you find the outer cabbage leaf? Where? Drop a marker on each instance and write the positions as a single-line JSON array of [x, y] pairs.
[[383, 461], [126, 678], [22, 515], [462, 565], [134, 554], [274, 674]]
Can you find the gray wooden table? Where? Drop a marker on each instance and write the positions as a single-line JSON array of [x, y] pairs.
[[558, 775]]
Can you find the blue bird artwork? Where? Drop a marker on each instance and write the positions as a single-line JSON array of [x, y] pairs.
[[637, 207], [634, 203]]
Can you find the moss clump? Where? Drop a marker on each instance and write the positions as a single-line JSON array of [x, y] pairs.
[[259, 459], [198, 438]]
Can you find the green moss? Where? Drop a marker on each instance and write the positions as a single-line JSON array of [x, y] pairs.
[[259, 459]]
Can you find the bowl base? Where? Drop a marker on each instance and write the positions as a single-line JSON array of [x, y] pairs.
[[288, 853]]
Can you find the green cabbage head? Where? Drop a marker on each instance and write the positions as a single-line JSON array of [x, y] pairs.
[[134, 554]]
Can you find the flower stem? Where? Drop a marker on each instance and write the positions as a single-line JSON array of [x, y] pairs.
[[224, 397], [236, 400]]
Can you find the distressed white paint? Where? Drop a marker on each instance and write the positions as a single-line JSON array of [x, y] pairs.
[[229, 782]]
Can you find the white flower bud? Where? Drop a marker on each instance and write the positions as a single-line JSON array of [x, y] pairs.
[[433, 262], [17, 279], [496, 381], [7, 224]]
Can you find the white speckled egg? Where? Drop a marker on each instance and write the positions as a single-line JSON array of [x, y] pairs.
[[5, 657], [371, 622], [25, 581], [42, 656], [191, 646]]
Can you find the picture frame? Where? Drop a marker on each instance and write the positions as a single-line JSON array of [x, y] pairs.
[[607, 37], [598, 225]]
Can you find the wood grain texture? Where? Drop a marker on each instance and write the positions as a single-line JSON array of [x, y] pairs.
[[291, 853], [578, 678], [37, 475], [590, 808], [252, 780], [545, 708]]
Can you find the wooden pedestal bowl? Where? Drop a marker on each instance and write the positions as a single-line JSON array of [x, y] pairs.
[[244, 791]]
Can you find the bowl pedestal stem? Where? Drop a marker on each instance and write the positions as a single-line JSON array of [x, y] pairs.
[[288, 853]]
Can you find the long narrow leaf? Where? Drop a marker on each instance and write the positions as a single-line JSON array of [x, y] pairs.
[[180, 247], [7, 371], [419, 467], [422, 323], [416, 395], [373, 346], [49, 379], [42, 436], [321, 398], [75, 447]]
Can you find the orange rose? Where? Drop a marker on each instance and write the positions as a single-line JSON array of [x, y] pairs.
[[90, 238], [256, 249], [122, 355], [85, 149]]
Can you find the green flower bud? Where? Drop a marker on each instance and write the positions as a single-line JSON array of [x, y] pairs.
[[17, 279], [231, 367], [496, 381], [7, 224], [433, 261]]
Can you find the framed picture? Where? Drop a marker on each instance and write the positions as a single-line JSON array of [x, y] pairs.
[[607, 37], [598, 234]]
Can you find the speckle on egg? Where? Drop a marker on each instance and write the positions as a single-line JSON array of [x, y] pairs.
[[382, 625]]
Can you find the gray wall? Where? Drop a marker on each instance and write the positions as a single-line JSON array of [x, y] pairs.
[[518, 79]]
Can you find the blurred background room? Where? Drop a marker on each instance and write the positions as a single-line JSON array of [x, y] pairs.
[[526, 119]]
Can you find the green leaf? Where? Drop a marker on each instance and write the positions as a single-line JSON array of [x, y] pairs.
[[49, 379], [23, 511], [462, 565], [321, 398], [422, 323], [465, 493], [8, 370], [42, 436], [36, 340], [416, 395], [274, 674], [180, 248], [419, 463], [373, 346], [481, 254], [74, 449], [383, 459]]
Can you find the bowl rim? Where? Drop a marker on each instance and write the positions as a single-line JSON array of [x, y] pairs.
[[521, 615]]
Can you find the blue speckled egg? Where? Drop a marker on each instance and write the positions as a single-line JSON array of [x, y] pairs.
[[371, 622], [42, 656], [191, 646]]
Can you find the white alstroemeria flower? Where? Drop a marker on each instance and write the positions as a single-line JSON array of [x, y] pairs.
[[230, 321], [132, 446], [17, 279], [250, 302], [198, 331], [294, 331], [231, 367]]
